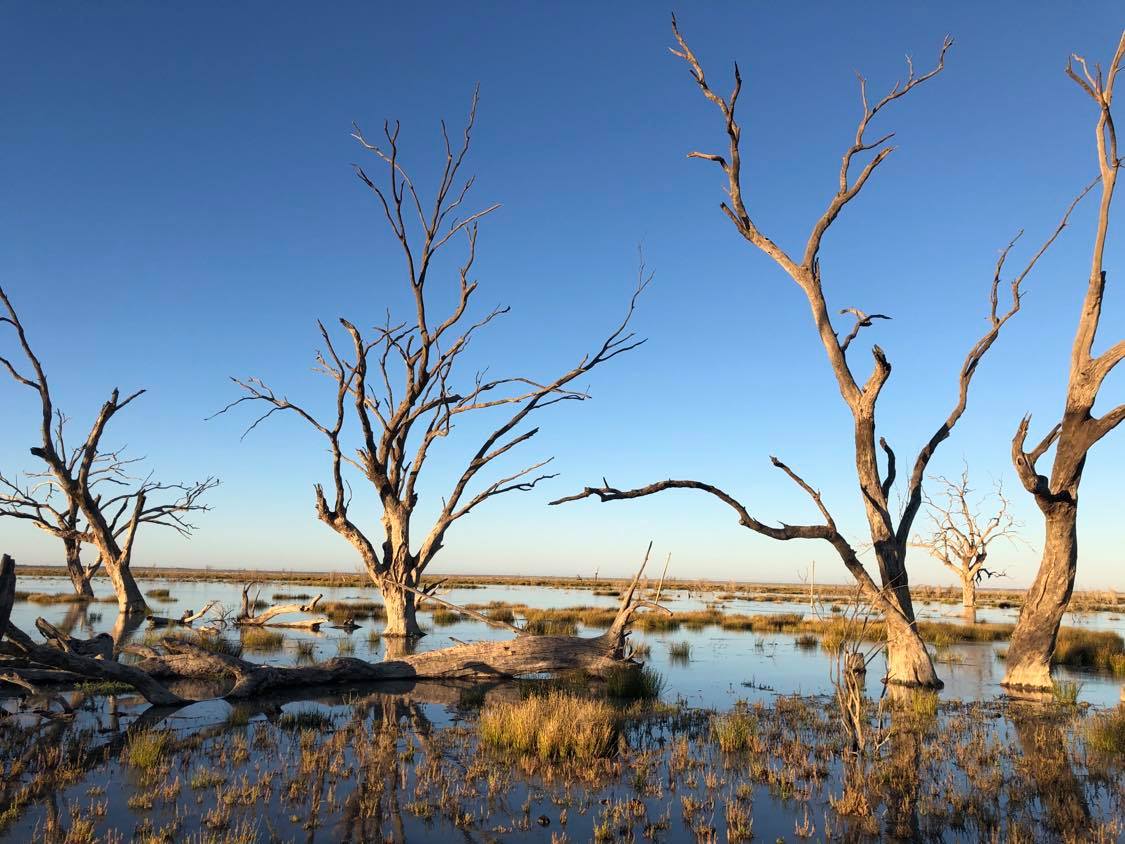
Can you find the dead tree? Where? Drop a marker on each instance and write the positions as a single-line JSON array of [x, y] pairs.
[[405, 388], [38, 502], [1056, 494], [908, 662], [85, 495], [961, 532]]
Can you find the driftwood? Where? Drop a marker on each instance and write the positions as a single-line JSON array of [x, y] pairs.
[[186, 620], [247, 617], [527, 654]]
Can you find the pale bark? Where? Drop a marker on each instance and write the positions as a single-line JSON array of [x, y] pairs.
[[484, 661], [908, 661], [1028, 661], [402, 618], [969, 591], [963, 529], [1036, 631], [78, 474], [398, 384]]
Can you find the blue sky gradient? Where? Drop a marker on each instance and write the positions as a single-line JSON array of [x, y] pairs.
[[179, 207]]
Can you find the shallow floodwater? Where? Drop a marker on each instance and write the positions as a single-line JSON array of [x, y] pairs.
[[723, 665], [403, 761]]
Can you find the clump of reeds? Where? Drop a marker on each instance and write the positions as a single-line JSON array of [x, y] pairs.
[[503, 614], [57, 598], [306, 719], [1105, 733], [444, 618], [161, 594], [260, 640], [551, 623], [1065, 692], [306, 650], [806, 641], [144, 749], [557, 725], [634, 682], [214, 643], [103, 687], [1102, 650], [736, 730], [679, 652]]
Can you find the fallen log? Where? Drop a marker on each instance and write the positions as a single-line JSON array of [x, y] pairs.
[[247, 616], [527, 654]]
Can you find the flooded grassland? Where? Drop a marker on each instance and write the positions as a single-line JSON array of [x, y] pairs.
[[732, 731]]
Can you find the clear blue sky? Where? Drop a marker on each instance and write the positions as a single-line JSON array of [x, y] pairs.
[[178, 206]]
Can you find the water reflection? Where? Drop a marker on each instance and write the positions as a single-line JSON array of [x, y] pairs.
[[724, 665]]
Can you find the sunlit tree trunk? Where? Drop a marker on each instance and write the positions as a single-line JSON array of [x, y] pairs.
[[1036, 632]]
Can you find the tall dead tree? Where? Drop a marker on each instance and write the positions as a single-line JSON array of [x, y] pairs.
[[908, 662], [404, 386], [85, 495], [1033, 641], [962, 529]]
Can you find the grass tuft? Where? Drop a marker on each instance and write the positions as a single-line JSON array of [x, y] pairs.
[[1105, 733], [260, 640], [736, 730], [146, 748], [556, 725], [634, 682], [306, 719], [1066, 692], [679, 652]]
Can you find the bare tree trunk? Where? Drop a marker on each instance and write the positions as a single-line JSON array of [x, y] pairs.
[[908, 661], [968, 591], [129, 598], [402, 617], [78, 575], [1033, 640]]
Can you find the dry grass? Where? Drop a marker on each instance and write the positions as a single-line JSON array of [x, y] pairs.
[[147, 747], [1105, 733], [260, 640], [557, 725], [737, 730], [1101, 650], [57, 598]]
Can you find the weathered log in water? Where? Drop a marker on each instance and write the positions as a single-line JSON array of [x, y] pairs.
[[481, 661], [527, 654]]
